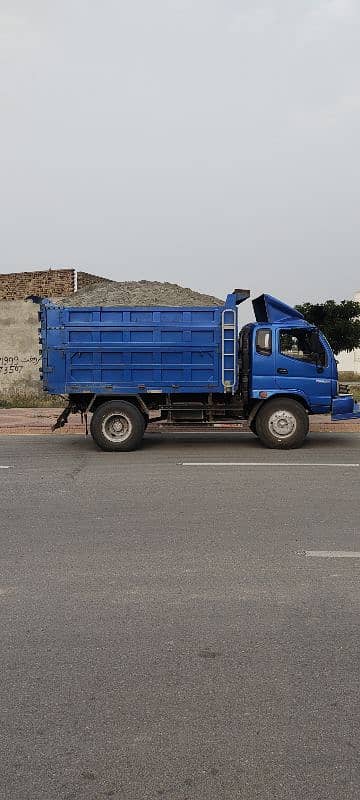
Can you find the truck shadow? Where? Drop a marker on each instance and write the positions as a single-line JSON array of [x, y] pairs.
[[228, 444], [315, 441]]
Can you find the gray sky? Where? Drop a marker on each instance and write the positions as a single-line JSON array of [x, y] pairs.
[[214, 143]]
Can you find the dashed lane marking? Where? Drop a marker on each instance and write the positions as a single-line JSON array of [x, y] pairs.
[[283, 465], [332, 553]]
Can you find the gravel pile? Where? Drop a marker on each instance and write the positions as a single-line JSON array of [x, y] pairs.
[[138, 293]]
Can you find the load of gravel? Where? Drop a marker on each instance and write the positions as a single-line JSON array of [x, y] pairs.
[[138, 293]]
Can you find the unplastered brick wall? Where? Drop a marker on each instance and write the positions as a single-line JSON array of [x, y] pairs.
[[45, 283]]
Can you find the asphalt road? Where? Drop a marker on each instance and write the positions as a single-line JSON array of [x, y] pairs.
[[163, 634]]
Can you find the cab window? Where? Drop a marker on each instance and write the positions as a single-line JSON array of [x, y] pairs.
[[297, 343], [264, 342]]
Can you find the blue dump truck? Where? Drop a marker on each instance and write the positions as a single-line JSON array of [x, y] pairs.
[[190, 366]]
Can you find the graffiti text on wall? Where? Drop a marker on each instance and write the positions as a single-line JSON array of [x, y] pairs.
[[10, 365]]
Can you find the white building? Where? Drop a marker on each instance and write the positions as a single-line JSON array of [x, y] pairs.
[[350, 362]]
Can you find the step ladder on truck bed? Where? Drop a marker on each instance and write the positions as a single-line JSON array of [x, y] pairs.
[[229, 349]]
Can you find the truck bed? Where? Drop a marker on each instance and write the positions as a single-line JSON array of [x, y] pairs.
[[132, 350]]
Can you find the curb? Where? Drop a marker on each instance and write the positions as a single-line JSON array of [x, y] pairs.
[[79, 430], [36, 422]]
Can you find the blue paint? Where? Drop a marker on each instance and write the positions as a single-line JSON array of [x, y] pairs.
[[189, 350], [344, 408], [131, 350]]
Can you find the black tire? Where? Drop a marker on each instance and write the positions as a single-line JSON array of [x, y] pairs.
[[117, 426], [252, 427], [282, 424]]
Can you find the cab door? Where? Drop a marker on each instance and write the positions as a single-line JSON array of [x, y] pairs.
[[299, 369]]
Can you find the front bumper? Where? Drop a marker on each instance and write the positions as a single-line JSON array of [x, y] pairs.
[[344, 407]]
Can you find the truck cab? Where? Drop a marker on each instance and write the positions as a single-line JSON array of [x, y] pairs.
[[291, 356], [294, 359], [287, 358]]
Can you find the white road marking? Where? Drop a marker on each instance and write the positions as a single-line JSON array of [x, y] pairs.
[[1, 467], [332, 553], [284, 465]]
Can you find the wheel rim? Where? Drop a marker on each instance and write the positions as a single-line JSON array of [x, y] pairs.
[[282, 424], [117, 427]]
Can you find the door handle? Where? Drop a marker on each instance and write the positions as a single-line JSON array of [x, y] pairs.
[[282, 371]]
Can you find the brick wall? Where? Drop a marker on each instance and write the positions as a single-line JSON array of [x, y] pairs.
[[46, 283]]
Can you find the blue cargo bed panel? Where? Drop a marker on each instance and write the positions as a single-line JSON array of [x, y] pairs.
[[139, 349]]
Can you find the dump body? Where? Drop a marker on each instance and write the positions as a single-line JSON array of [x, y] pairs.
[[132, 350]]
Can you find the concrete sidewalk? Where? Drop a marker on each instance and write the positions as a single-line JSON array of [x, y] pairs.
[[39, 421], [36, 420]]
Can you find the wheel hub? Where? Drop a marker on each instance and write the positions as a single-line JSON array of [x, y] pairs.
[[282, 423], [117, 427]]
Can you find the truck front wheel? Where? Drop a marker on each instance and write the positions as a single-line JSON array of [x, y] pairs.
[[252, 426], [117, 425], [282, 424]]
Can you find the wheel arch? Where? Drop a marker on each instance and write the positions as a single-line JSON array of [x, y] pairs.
[[93, 402], [277, 395]]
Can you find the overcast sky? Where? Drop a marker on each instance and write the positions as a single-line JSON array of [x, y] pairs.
[[214, 143]]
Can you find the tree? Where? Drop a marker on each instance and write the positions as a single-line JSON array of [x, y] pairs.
[[340, 322]]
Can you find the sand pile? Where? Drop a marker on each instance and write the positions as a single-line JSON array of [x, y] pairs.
[[138, 293]]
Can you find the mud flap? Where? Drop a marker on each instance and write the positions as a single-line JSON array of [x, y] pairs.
[[63, 418]]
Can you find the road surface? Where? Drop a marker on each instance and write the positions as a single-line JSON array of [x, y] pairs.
[[180, 623]]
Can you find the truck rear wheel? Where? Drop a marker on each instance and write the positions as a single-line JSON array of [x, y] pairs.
[[282, 424], [117, 426]]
